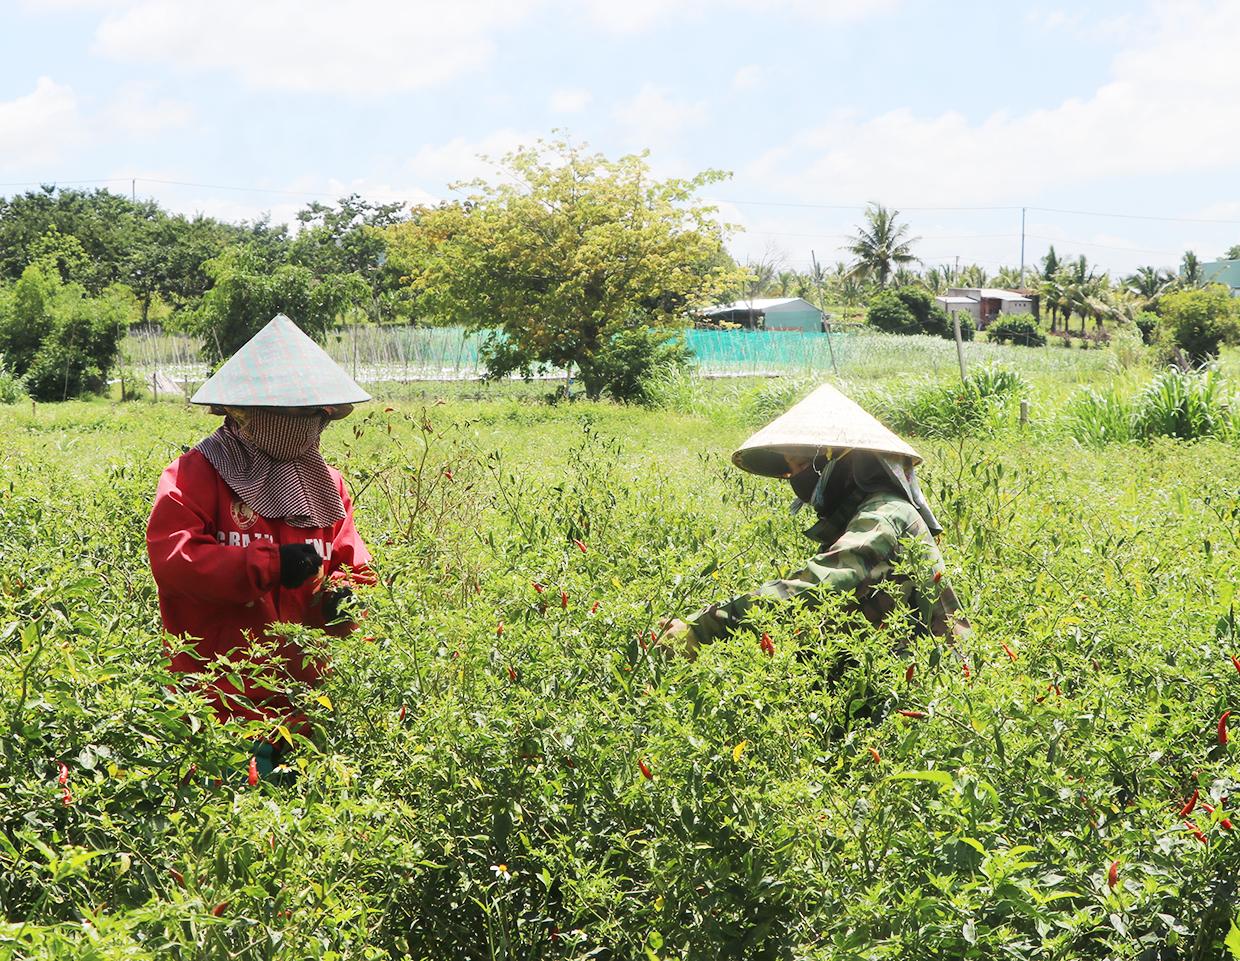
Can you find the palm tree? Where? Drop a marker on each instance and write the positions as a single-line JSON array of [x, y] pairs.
[[972, 275], [1009, 278], [1190, 270], [1149, 284], [1055, 299], [881, 245]]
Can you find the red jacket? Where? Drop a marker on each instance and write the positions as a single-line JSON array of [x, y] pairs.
[[217, 566]]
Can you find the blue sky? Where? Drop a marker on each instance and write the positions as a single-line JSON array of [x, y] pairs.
[[816, 106]]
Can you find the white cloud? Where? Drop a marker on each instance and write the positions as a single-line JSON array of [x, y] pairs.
[[1165, 109], [436, 165], [652, 118], [747, 77], [365, 46], [135, 111], [635, 15], [38, 127], [569, 100]]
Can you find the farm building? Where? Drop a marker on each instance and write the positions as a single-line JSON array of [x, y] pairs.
[[963, 305], [993, 301], [779, 313], [1223, 272]]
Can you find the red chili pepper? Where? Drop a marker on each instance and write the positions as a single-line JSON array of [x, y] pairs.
[[913, 714], [1191, 803], [219, 909], [401, 716], [538, 588], [271, 842], [1236, 661], [67, 797], [938, 576], [177, 876], [594, 608], [964, 666], [499, 629], [581, 546], [1196, 832], [1225, 824], [646, 772], [909, 672], [1222, 727], [1206, 806], [252, 776], [1113, 875], [564, 600], [1009, 652], [447, 473], [512, 673], [767, 645], [874, 754], [63, 777]]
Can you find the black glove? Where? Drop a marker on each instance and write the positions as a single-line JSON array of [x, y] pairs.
[[336, 603], [297, 563]]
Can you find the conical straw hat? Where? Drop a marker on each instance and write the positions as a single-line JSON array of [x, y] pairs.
[[825, 422], [280, 367]]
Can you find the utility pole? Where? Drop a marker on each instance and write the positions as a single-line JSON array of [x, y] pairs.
[[1022, 246], [133, 190], [826, 322]]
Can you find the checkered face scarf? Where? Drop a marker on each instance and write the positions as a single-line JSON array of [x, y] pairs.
[[273, 464]]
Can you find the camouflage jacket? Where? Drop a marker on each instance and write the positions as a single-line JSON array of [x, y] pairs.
[[864, 542]]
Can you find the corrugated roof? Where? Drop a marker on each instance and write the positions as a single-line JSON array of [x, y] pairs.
[[999, 294], [762, 303], [957, 300]]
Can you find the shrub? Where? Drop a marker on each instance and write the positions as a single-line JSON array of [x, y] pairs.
[[12, 389], [59, 340], [625, 366], [1147, 324], [912, 310], [999, 382], [889, 313], [1198, 322], [1017, 329], [1128, 348]]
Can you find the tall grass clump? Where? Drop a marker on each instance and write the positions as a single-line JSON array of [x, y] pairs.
[[1099, 417], [1183, 404], [980, 405]]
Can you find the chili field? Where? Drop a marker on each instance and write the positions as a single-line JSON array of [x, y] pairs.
[[503, 767]]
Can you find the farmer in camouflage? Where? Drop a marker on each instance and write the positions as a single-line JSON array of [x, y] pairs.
[[875, 530]]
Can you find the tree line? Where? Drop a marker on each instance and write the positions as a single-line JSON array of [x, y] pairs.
[[566, 259]]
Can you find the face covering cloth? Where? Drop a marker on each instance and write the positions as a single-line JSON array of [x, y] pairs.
[[273, 463]]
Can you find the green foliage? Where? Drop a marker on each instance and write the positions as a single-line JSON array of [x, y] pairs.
[[1189, 405], [625, 366], [912, 310], [349, 237], [1016, 329], [504, 815], [60, 341], [1198, 322], [247, 293], [1098, 417], [1184, 404], [568, 250], [12, 389], [1147, 323], [978, 406]]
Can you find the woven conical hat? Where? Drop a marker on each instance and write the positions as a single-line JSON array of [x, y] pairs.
[[280, 367], [825, 422]]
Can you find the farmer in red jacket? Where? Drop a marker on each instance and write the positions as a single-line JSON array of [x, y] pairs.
[[253, 527]]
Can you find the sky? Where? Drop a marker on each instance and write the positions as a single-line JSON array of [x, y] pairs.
[[1112, 123]]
